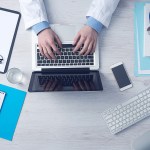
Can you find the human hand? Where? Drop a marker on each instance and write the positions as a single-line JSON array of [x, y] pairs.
[[84, 86], [46, 42], [87, 36]]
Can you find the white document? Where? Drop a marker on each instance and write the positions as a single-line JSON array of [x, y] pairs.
[[146, 33], [8, 23], [142, 72], [2, 96]]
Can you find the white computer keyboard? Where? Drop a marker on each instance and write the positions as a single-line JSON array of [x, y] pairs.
[[128, 113]]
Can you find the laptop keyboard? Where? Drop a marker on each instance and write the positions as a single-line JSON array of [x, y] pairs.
[[65, 80], [68, 58]]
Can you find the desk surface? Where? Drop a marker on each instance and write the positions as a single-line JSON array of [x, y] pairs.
[[72, 121]]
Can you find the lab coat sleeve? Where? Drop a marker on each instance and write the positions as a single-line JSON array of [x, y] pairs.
[[102, 10], [33, 12]]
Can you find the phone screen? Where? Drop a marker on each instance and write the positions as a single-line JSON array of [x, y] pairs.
[[121, 76]]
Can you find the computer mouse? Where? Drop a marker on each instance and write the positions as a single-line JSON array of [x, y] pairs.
[[142, 142]]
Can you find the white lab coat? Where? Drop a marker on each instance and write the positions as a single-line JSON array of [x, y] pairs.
[[34, 11]]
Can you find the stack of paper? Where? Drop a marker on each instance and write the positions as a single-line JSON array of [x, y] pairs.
[[142, 63], [147, 29]]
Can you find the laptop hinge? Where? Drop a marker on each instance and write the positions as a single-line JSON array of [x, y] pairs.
[[66, 70]]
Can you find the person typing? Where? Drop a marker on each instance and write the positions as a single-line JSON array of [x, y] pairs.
[[35, 17]]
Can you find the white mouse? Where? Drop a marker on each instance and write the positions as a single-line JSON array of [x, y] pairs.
[[143, 142]]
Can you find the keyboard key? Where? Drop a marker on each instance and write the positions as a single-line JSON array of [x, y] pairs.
[[42, 58], [66, 57], [91, 60], [62, 57], [56, 61], [39, 61], [64, 61], [70, 57], [77, 57], [58, 57], [38, 56], [90, 56], [60, 61]]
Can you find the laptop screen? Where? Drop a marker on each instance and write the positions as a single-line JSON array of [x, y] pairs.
[[49, 82]]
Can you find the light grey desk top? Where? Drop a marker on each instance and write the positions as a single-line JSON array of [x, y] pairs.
[[72, 121]]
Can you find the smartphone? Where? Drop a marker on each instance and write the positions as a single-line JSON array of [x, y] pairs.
[[2, 96], [121, 76]]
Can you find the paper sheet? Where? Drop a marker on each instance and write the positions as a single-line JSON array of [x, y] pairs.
[[146, 51], [142, 64], [8, 22]]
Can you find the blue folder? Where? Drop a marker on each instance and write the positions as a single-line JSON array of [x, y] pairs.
[[142, 64], [10, 111]]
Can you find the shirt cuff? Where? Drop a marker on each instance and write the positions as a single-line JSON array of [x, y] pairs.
[[93, 23], [40, 26]]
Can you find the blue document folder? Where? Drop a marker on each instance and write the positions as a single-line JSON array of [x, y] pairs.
[[142, 64], [10, 111]]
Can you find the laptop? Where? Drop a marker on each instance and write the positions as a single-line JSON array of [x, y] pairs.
[[69, 71]]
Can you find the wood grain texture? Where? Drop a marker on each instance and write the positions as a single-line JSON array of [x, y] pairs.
[[72, 121]]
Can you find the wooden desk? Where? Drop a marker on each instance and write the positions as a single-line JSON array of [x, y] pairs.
[[72, 121]]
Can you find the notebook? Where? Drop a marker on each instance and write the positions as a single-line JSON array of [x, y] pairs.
[[9, 22], [10, 111], [142, 64]]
